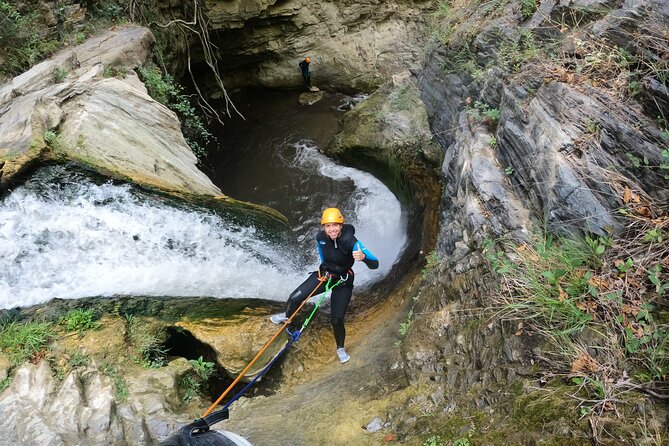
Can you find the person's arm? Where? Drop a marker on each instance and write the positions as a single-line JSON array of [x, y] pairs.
[[368, 258]]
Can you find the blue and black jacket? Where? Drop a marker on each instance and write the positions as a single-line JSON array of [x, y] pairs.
[[337, 255]]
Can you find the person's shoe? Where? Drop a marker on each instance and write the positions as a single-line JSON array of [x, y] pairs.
[[343, 356], [279, 318]]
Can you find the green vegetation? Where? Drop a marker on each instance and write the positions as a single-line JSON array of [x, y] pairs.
[[113, 72], [527, 8], [79, 359], [404, 326], [147, 342], [5, 383], [432, 260], [163, 89], [202, 368], [59, 74], [55, 141], [22, 45], [483, 112], [434, 440], [194, 382], [595, 300], [662, 168], [120, 385], [400, 99], [25, 341], [79, 320]]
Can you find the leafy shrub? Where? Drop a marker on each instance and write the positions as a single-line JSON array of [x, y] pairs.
[[22, 45], [163, 89], [79, 320], [195, 381]]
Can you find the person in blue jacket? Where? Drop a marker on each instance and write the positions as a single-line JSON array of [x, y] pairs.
[[338, 250]]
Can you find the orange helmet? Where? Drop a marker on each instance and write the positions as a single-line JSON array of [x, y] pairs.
[[307, 59], [332, 215]]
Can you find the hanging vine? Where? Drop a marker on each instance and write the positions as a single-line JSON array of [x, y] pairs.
[[196, 25]]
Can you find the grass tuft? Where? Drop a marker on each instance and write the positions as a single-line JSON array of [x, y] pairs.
[[25, 341]]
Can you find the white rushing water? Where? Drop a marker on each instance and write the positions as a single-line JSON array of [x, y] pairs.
[[80, 239], [103, 241]]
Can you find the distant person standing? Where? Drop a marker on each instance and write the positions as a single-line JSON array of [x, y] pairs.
[[306, 74]]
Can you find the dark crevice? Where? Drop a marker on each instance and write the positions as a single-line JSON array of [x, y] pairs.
[[182, 343]]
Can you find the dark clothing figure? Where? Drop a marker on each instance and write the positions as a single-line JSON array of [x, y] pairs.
[[341, 297], [336, 261], [306, 74]]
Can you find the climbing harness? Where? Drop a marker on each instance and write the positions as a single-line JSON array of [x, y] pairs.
[[202, 425]]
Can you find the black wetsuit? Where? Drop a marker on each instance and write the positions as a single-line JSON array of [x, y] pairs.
[[306, 75], [336, 260]]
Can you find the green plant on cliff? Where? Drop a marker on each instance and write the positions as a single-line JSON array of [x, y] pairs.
[[202, 368], [120, 385], [58, 74], [25, 341], [400, 99], [165, 90], [79, 320], [527, 8], [147, 341], [5, 383], [432, 260], [595, 300], [434, 440], [55, 141], [485, 113], [194, 382]]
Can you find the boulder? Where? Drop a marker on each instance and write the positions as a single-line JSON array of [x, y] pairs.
[[310, 98], [237, 339], [66, 108]]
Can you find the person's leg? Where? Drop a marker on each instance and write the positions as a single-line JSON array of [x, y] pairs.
[[341, 297], [302, 292], [297, 297]]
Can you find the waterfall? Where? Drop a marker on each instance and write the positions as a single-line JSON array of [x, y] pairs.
[[65, 235]]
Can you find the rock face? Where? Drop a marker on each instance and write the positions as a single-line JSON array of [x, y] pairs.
[[107, 123], [353, 45], [108, 396], [558, 153], [84, 408]]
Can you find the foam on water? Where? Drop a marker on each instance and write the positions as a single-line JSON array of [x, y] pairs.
[[78, 240]]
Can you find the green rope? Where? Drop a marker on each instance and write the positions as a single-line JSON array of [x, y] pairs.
[[327, 293]]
